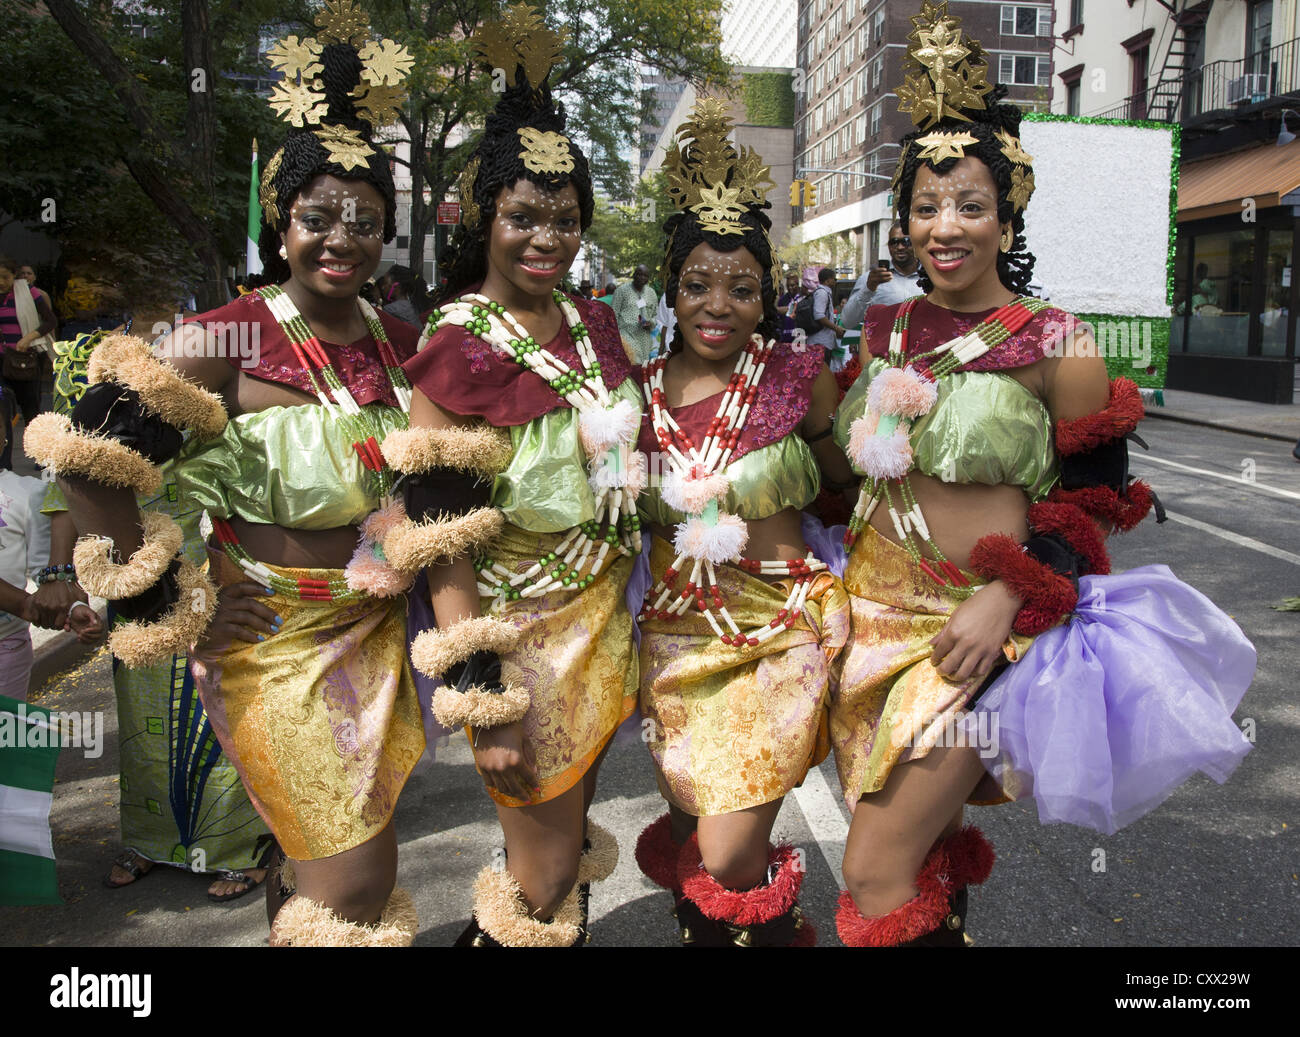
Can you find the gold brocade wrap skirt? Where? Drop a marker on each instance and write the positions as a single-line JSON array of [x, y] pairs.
[[734, 728], [576, 659], [891, 704], [321, 719]]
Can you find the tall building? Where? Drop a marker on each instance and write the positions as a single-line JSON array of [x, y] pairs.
[[1228, 72], [847, 124], [760, 33], [662, 92]]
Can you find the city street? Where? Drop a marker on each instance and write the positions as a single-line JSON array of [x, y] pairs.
[[1213, 866]]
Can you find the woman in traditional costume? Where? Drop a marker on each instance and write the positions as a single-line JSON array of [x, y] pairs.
[[993, 445], [302, 669], [740, 629], [522, 477]]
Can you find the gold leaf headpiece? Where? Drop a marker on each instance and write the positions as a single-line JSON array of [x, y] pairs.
[[470, 211], [545, 151], [946, 70], [266, 193], [942, 144], [299, 98], [520, 39], [709, 176]]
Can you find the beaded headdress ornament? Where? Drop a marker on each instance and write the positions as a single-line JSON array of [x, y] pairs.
[[947, 79], [300, 98]]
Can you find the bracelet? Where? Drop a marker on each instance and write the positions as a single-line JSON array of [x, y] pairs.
[[62, 573]]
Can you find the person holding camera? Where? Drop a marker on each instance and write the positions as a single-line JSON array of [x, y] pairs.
[[890, 281]]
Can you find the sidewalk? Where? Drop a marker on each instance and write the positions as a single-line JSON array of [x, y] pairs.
[[1271, 421]]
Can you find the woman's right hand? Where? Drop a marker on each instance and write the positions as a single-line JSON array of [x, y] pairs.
[[506, 760], [240, 616]]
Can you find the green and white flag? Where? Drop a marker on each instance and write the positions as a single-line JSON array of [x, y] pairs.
[[253, 262], [29, 751]]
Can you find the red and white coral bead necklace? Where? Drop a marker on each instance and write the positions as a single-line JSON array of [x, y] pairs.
[[695, 484]]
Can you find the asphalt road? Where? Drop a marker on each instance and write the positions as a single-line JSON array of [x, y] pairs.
[[1213, 866]]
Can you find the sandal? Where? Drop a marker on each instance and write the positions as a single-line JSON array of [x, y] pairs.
[[249, 882], [133, 864]]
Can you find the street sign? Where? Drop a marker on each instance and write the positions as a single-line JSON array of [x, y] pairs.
[[449, 213]]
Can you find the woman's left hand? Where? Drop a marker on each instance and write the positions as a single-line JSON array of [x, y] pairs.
[[971, 641]]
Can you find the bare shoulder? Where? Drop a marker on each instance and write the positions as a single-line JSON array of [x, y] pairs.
[[195, 352]]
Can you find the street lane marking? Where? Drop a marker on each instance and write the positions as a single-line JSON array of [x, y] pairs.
[[1236, 480], [821, 809], [1236, 538]]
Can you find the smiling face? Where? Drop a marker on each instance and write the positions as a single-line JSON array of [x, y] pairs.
[[955, 231], [900, 249], [533, 240], [719, 301], [335, 236]]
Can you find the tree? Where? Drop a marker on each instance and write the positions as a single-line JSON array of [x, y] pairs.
[[159, 109], [595, 80], [631, 233]]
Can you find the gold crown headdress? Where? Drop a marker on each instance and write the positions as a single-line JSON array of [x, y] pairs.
[[709, 176], [946, 69], [300, 98], [521, 41], [947, 79]]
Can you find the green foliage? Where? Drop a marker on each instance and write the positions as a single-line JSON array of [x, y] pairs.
[[64, 135], [768, 97], [632, 233]]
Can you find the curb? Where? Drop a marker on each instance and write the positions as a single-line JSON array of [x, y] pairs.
[[1257, 433]]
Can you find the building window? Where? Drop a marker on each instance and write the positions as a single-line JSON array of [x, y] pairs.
[[875, 119], [1025, 69], [880, 27], [1072, 98], [877, 70], [1026, 21], [1076, 13], [846, 95], [848, 50], [862, 128]]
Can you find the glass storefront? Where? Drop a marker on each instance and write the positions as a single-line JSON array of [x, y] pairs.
[[1220, 293], [1273, 318]]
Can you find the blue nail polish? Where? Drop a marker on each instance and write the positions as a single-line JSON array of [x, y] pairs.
[[278, 621], [269, 590], [261, 637]]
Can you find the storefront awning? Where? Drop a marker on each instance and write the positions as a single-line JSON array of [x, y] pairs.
[[1216, 186]]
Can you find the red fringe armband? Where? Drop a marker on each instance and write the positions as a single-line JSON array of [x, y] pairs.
[[1076, 528], [1120, 417], [1123, 511], [1047, 596]]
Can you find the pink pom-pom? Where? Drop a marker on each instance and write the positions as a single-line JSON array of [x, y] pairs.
[[378, 524], [862, 430], [721, 543], [901, 391], [637, 473], [374, 576], [886, 457], [691, 493]]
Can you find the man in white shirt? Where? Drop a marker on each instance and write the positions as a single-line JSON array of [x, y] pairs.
[[880, 286]]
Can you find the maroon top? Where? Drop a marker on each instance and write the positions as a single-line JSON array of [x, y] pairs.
[[931, 326], [784, 396], [359, 365], [461, 373]]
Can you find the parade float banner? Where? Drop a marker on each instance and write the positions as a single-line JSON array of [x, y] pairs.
[[1102, 226]]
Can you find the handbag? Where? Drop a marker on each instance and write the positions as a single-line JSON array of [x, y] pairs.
[[20, 365]]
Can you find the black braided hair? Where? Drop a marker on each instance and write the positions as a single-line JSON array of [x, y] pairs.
[[1015, 268], [685, 233], [303, 158], [464, 261]]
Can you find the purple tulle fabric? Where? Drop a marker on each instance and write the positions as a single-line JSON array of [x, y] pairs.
[[827, 543], [1109, 713]]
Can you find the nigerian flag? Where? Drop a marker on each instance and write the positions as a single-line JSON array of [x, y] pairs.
[[29, 749], [253, 262]]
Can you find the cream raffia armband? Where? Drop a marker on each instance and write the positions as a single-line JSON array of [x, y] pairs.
[[466, 655], [129, 422], [479, 450], [128, 361], [177, 630], [104, 578]]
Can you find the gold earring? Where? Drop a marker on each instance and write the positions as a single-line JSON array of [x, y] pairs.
[[1008, 239], [284, 252]]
